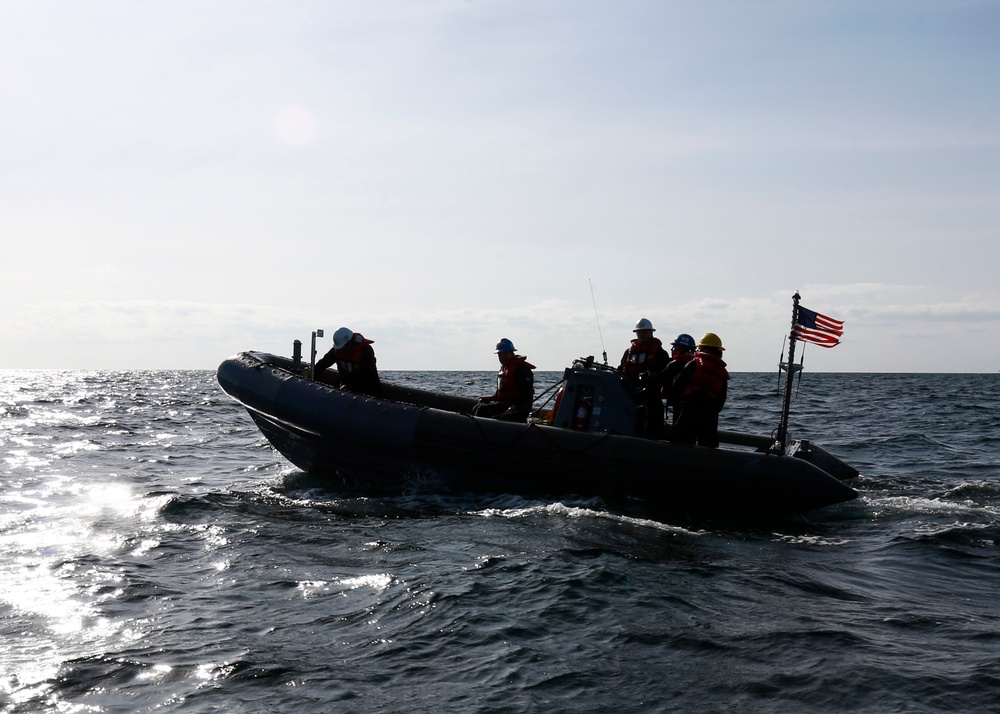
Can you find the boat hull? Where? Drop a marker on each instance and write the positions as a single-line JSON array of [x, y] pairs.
[[412, 434]]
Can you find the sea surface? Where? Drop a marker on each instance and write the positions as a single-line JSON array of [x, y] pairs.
[[157, 556]]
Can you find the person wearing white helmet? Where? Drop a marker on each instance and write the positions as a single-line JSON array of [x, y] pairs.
[[356, 364], [702, 386], [644, 359], [645, 354], [515, 387]]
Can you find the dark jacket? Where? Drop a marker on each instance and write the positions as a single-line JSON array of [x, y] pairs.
[[356, 367]]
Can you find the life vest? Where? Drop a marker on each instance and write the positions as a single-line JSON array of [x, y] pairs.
[[349, 356], [508, 388], [709, 377], [674, 367], [643, 357], [682, 358]]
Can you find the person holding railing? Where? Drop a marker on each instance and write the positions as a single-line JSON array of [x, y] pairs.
[[356, 365]]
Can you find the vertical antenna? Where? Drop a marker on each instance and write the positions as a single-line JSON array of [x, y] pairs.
[[802, 362], [781, 362], [604, 352]]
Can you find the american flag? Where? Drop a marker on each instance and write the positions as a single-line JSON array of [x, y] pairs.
[[812, 327]]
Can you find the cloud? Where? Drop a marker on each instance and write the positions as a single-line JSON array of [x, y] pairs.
[[187, 334], [891, 302], [147, 322]]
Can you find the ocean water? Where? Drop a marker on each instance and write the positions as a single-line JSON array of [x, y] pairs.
[[158, 556]]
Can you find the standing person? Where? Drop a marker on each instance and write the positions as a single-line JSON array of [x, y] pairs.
[[355, 360], [701, 386], [515, 387], [645, 358], [681, 352]]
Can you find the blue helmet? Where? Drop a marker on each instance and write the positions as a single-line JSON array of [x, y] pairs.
[[505, 345], [684, 340]]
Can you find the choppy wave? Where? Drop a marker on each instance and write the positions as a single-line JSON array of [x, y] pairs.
[[158, 556]]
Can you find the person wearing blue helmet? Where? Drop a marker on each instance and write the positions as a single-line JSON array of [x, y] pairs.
[[681, 352], [515, 387]]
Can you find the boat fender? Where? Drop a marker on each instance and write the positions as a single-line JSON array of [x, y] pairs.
[[555, 405]]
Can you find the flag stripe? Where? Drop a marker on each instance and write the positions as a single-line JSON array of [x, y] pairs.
[[820, 338], [830, 326]]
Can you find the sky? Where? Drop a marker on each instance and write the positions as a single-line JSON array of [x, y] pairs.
[[181, 181]]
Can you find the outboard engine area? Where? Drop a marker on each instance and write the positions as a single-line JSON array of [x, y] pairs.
[[593, 398]]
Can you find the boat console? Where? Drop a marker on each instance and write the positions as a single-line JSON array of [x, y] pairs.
[[593, 398]]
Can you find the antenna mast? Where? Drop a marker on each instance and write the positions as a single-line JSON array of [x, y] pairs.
[[604, 352]]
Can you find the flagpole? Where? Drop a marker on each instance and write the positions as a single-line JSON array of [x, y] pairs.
[[786, 402]]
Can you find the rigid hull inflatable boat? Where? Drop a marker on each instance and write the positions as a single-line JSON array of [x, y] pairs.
[[584, 446]]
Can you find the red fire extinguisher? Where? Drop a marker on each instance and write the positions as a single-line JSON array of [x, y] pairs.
[[581, 414]]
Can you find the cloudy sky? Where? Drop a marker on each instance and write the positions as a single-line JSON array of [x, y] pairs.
[[180, 181]]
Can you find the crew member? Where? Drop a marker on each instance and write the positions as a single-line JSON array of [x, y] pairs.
[[355, 359], [681, 352], [644, 359], [515, 387], [701, 386]]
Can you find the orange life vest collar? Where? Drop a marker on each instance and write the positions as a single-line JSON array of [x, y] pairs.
[[710, 376], [349, 356], [643, 357]]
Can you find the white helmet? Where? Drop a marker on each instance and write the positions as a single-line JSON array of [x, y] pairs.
[[341, 337], [644, 324]]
